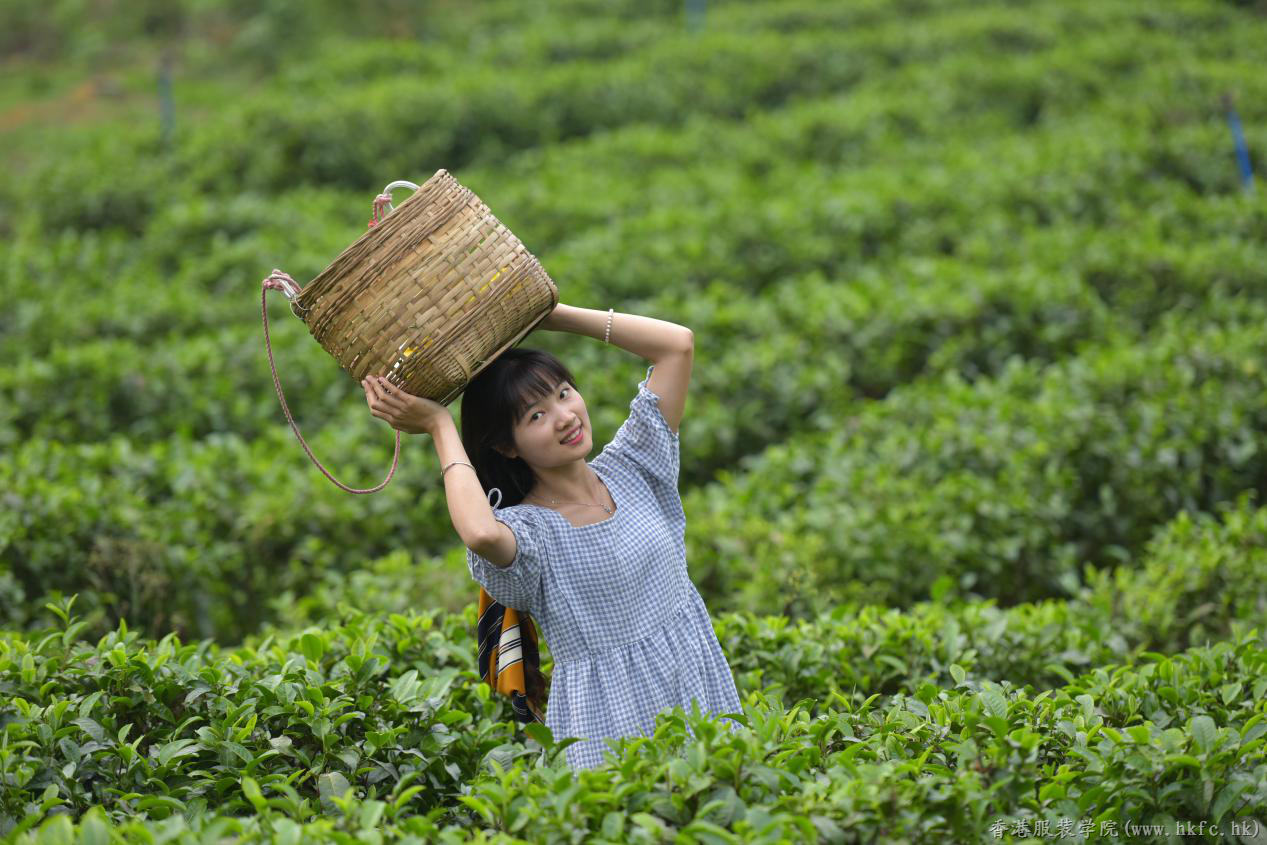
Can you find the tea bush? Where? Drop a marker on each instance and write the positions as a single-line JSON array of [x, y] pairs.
[[1171, 738]]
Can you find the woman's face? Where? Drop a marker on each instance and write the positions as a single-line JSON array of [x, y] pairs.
[[545, 432]]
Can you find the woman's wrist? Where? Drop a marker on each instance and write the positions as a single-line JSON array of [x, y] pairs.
[[438, 423], [555, 321], [590, 322]]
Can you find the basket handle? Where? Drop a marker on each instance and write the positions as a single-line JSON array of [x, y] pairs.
[[383, 202], [277, 280]]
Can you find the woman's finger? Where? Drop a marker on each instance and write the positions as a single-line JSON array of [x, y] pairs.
[[375, 390], [391, 396], [380, 407]]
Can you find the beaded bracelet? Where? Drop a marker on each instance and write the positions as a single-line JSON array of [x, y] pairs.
[[608, 334]]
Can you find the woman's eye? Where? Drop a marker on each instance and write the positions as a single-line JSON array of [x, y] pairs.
[[561, 392]]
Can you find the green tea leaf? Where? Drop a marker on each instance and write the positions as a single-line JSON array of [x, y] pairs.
[[332, 785], [1230, 692], [1227, 797], [539, 732], [478, 805], [251, 790], [994, 702], [1203, 732], [312, 647]]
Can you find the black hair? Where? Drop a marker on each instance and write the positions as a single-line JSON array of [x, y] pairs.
[[498, 396]]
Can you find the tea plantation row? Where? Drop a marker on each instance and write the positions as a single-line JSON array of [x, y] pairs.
[[389, 122]]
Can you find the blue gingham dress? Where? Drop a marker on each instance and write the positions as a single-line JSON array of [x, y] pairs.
[[629, 632]]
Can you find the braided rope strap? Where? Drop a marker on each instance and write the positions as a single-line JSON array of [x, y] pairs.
[[382, 206], [277, 280]]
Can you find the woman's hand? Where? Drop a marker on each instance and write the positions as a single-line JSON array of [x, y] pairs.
[[403, 411]]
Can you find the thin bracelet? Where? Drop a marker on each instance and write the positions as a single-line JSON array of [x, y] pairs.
[[607, 336], [452, 464]]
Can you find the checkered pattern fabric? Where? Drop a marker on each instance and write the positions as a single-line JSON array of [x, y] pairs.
[[629, 632]]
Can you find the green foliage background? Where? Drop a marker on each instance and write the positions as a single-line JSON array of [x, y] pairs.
[[971, 461]]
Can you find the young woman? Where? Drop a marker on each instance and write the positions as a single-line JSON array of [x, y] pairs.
[[593, 551]]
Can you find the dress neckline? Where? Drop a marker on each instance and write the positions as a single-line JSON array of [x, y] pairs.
[[619, 507]]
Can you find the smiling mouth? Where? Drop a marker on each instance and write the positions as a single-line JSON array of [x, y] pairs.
[[572, 441]]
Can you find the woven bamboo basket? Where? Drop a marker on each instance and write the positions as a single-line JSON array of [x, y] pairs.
[[427, 298]]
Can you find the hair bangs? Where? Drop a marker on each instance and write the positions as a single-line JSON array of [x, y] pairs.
[[536, 381]]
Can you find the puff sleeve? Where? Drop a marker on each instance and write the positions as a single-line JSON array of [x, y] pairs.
[[645, 441], [518, 585]]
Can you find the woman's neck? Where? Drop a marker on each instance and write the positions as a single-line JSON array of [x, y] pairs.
[[574, 482]]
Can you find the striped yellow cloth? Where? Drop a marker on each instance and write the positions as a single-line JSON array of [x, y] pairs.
[[509, 661]]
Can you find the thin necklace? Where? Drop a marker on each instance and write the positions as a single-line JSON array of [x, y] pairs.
[[590, 504]]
